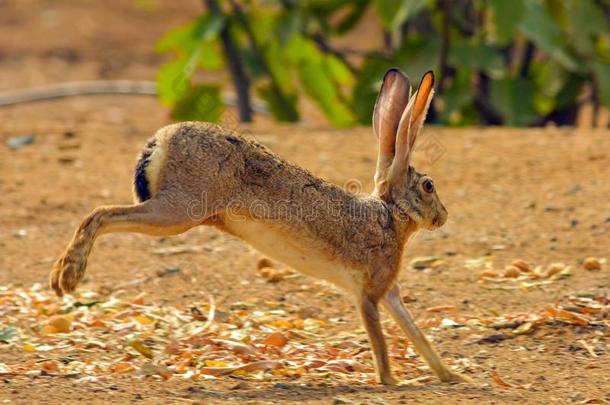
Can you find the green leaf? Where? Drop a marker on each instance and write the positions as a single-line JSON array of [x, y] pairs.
[[173, 80], [556, 10], [556, 88], [7, 334], [208, 26], [199, 103], [286, 24], [300, 49], [417, 55], [514, 100], [261, 23], [472, 55], [566, 97], [542, 30], [601, 70], [176, 39], [317, 81], [338, 71], [188, 37], [318, 85], [280, 110], [549, 78], [192, 42], [393, 13], [506, 16], [280, 68], [209, 56], [586, 22], [455, 98], [367, 85]]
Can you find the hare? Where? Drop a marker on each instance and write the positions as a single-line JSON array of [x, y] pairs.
[[192, 173]]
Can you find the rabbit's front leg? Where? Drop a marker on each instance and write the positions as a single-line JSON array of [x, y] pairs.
[[393, 303], [370, 318]]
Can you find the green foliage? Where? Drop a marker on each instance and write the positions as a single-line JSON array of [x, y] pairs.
[[518, 62], [456, 101], [601, 72], [539, 27], [320, 76], [506, 16], [199, 101], [195, 47], [514, 100]]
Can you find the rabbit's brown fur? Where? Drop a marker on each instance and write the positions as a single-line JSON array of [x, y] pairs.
[[196, 173]]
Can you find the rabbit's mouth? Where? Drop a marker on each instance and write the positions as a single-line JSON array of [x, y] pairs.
[[437, 222], [408, 211], [439, 219]]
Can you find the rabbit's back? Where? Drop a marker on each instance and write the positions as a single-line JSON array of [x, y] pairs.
[[244, 188]]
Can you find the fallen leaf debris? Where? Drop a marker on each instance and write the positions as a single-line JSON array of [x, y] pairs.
[[90, 336]]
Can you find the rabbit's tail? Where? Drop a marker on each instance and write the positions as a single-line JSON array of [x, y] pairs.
[[148, 168]]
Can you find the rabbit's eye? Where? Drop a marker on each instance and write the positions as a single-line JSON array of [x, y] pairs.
[[428, 186]]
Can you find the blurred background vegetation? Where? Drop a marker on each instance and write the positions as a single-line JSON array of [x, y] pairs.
[[498, 62]]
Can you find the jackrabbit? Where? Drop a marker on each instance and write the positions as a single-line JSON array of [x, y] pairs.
[[192, 173]]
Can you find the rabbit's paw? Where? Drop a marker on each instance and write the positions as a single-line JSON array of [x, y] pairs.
[[388, 379], [67, 272], [452, 377]]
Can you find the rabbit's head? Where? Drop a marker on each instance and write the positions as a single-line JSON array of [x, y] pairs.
[[397, 120], [415, 196]]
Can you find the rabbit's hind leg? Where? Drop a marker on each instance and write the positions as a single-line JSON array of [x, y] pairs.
[[152, 217]]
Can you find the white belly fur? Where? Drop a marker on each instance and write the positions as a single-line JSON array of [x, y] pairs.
[[300, 253]]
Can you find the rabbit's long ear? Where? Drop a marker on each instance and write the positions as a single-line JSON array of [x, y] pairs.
[[391, 102], [411, 123]]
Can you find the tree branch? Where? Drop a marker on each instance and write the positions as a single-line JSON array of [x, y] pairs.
[[258, 53], [240, 79], [445, 39], [528, 55], [488, 112], [326, 48]]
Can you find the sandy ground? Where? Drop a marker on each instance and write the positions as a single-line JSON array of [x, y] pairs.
[[538, 195]]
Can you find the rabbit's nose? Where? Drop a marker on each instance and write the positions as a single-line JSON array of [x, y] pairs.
[[441, 218]]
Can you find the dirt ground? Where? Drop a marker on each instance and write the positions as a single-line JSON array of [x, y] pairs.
[[536, 194]]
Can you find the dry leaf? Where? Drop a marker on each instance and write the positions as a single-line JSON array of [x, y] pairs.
[[49, 365], [592, 263], [29, 348], [141, 348], [63, 323], [122, 368], [150, 369], [423, 262], [442, 308], [255, 366], [499, 381], [567, 316], [236, 347], [48, 330], [524, 328], [264, 262], [276, 339]]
